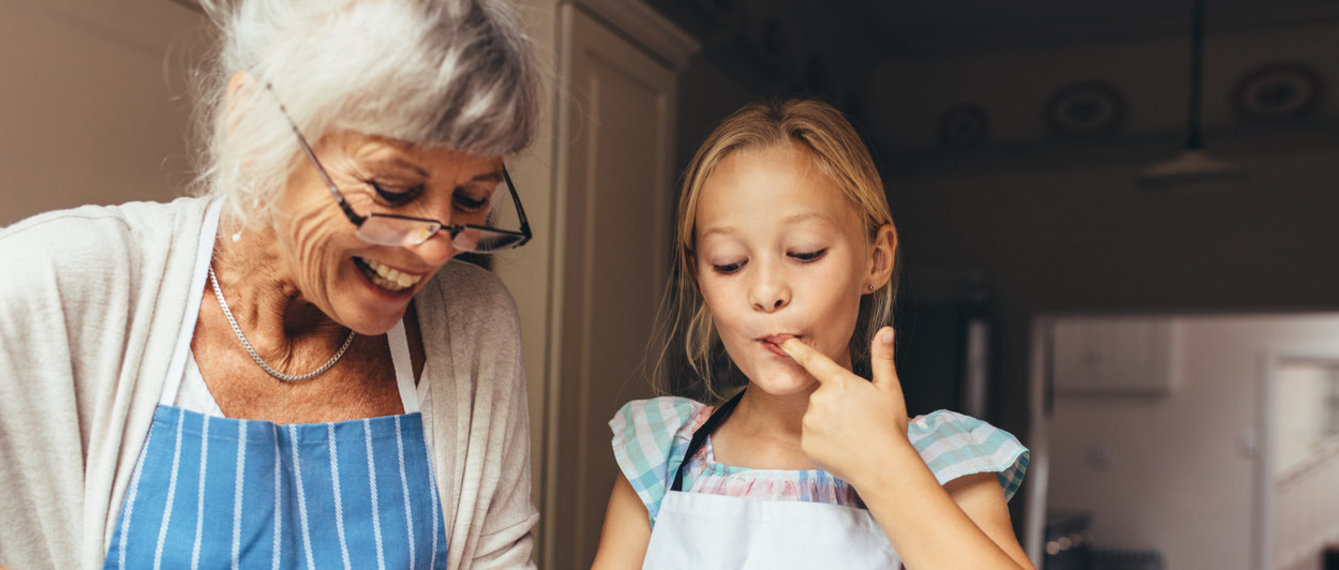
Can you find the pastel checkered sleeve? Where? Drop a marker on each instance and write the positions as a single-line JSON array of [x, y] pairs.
[[650, 439], [954, 445]]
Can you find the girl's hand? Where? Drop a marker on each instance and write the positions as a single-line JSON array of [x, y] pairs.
[[852, 424], [857, 430]]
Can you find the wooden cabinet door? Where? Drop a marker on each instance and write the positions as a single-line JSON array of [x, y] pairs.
[[613, 215]]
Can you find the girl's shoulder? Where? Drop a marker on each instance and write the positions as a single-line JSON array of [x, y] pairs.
[[659, 418], [955, 445], [650, 439]]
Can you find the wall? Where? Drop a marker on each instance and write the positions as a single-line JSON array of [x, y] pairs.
[[1012, 85], [526, 271], [1177, 473], [95, 104], [754, 49], [1060, 225], [1307, 413]]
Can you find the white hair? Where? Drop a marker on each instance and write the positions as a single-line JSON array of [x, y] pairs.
[[457, 74]]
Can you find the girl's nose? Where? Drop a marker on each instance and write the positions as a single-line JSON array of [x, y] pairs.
[[769, 291]]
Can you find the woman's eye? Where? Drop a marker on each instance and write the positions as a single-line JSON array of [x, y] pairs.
[[395, 195], [728, 268], [808, 255], [469, 203]]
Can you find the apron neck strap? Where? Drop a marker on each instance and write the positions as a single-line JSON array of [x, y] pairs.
[[404, 367], [700, 436]]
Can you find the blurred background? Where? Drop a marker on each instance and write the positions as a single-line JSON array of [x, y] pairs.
[[1142, 284]]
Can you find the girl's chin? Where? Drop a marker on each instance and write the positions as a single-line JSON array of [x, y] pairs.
[[783, 384]]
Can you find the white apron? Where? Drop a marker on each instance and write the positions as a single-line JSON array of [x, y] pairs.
[[700, 531]]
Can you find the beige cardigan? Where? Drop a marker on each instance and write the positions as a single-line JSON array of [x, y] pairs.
[[91, 306]]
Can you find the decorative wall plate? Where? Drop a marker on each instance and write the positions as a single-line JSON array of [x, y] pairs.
[[1085, 108], [963, 125], [1278, 91]]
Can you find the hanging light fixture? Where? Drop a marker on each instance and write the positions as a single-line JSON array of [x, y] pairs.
[[1193, 163]]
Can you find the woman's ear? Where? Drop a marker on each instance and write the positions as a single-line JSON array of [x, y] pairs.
[[882, 253], [238, 85], [241, 88]]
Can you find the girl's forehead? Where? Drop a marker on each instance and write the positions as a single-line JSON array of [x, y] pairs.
[[784, 182]]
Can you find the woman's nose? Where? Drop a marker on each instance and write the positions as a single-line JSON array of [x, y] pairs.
[[437, 250], [769, 290]]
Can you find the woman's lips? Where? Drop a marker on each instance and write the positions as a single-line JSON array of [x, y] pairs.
[[388, 282]]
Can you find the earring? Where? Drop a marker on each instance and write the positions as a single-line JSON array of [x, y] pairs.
[[237, 237], [871, 287]]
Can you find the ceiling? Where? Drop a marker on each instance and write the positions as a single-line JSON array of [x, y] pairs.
[[911, 27]]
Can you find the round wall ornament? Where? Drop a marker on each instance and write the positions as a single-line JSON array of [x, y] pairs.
[[963, 125], [1278, 91], [1085, 108]]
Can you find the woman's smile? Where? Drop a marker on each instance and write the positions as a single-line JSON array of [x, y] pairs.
[[386, 277]]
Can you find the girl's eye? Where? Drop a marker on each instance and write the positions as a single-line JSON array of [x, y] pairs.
[[468, 203], [808, 256], [395, 195], [728, 268]]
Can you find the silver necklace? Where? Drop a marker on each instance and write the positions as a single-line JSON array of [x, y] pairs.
[[214, 281]]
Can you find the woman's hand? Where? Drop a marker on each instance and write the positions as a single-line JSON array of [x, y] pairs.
[[852, 425]]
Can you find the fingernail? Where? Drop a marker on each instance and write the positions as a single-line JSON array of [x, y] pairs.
[[784, 345], [886, 336]]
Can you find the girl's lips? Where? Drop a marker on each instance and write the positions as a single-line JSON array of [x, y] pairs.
[[777, 339], [773, 343]]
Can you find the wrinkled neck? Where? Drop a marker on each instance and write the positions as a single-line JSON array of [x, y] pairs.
[[267, 304]]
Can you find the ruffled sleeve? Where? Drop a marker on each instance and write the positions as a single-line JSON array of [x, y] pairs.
[[650, 439], [954, 445]]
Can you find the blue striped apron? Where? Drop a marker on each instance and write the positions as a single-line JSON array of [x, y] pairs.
[[219, 492]]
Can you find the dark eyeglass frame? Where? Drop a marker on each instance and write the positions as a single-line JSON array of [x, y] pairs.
[[521, 237]]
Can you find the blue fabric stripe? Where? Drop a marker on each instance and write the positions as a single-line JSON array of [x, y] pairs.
[[375, 507], [305, 537], [404, 485], [220, 505], [336, 493], [200, 494], [278, 550], [239, 475], [171, 495], [118, 546], [425, 469]]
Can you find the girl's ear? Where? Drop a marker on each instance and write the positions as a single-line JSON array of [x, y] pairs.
[[881, 255]]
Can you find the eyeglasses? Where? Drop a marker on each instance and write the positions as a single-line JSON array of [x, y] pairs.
[[405, 231]]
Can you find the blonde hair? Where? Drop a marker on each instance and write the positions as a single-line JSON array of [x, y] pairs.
[[690, 358]]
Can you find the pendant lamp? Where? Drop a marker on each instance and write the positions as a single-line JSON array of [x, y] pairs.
[[1193, 163]]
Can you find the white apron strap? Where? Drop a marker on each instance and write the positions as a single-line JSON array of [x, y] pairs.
[[404, 367], [203, 255]]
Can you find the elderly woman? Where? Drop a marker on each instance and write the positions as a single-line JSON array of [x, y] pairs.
[[288, 371]]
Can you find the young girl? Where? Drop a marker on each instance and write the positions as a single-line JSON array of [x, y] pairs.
[[786, 259]]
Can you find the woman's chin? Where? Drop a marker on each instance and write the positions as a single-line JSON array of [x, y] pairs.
[[371, 321], [371, 310]]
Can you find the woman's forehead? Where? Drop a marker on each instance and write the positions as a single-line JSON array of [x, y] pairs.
[[427, 161]]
